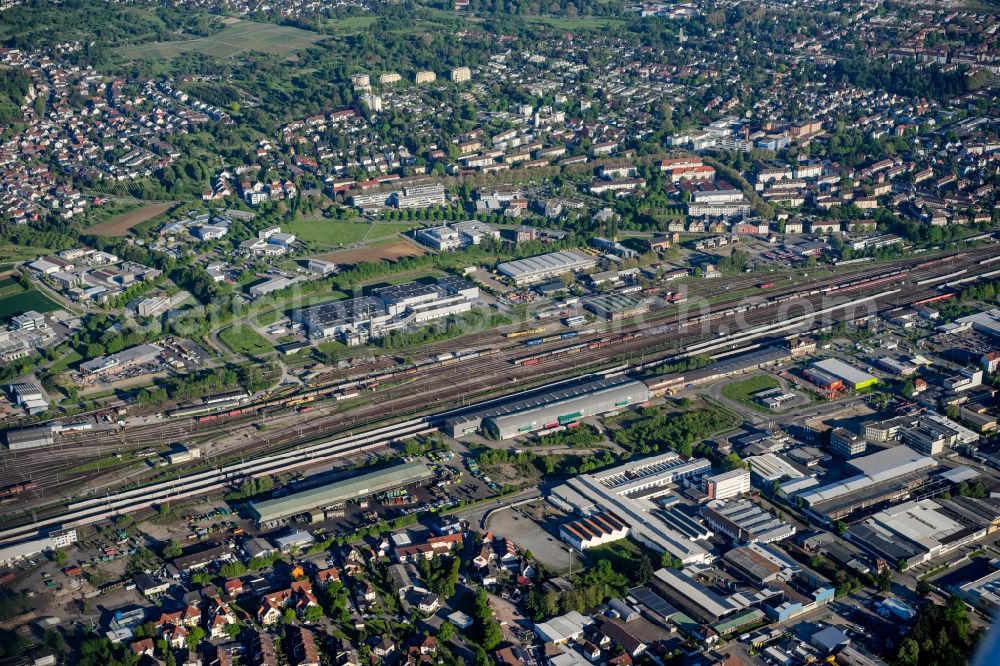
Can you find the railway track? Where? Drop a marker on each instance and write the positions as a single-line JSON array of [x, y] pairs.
[[462, 381]]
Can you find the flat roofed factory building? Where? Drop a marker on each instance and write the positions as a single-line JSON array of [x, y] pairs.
[[851, 376], [559, 407], [546, 266], [282, 508], [629, 493]]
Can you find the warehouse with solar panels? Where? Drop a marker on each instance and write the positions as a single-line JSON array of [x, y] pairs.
[[274, 511], [558, 407]]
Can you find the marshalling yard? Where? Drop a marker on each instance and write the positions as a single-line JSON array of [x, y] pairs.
[[353, 416]]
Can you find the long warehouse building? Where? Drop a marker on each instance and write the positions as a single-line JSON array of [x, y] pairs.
[[546, 266], [281, 508], [629, 493], [558, 407]]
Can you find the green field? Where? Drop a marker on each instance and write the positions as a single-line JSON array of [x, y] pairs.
[[246, 341], [11, 254], [350, 24], [23, 301], [742, 390], [573, 23], [333, 234], [236, 38]]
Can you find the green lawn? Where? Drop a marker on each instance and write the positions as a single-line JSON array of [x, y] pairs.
[[350, 24], [244, 340], [236, 38], [573, 23], [17, 303], [330, 233], [742, 390], [62, 364], [11, 254]]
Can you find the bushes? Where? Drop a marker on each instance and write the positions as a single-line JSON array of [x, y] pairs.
[[659, 431]]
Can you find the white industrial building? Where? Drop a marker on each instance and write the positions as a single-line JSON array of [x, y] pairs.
[[456, 236], [728, 484], [629, 492], [546, 266], [884, 466], [594, 530], [392, 308]]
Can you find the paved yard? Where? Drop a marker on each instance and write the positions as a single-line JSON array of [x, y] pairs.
[[540, 539]]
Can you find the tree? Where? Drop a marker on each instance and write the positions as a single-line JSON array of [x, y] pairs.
[[172, 550], [446, 632], [923, 587], [59, 556], [314, 613], [492, 635], [885, 580], [194, 638], [233, 630]]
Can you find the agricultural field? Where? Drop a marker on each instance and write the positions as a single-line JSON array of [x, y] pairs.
[[14, 300], [393, 250], [122, 224], [244, 340], [335, 234], [236, 38], [742, 390]]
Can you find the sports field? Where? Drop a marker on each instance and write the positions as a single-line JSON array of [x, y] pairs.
[[237, 37]]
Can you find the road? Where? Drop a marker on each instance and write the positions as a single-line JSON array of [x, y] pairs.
[[460, 383]]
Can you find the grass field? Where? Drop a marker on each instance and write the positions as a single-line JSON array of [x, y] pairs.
[[11, 254], [246, 341], [741, 391], [122, 224], [573, 23], [63, 364], [350, 24], [333, 234], [15, 304], [237, 37]]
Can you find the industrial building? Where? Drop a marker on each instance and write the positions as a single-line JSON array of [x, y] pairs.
[[727, 367], [615, 307], [457, 235], [357, 320], [983, 592], [921, 530], [744, 521], [682, 590], [630, 492], [594, 530], [850, 376], [887, 475], [767, 468], [546, 266], [728, 484], [30, 438], [551, 409], [273, 511], [846, 444], [128, 358], [932, 434]]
